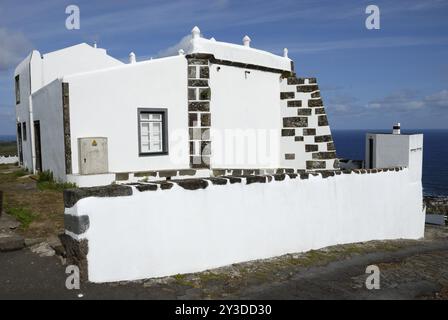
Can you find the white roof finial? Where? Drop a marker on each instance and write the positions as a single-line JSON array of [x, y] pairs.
[[285, 52], [196, 32], [95, 45], [132, 57], [181, 52], [246, 41]]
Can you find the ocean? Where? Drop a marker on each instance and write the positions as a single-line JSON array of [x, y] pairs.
[[350, 144]]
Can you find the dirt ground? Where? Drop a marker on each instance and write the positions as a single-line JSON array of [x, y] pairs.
[[42, 210]]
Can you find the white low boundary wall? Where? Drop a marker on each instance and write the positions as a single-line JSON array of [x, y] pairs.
[[166, 232], [8, 159]]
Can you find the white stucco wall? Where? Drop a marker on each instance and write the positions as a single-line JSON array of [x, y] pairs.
[[160, 233], [8, 159], [391, 150], [246, 106], [23, 108], [237, 53], [36, 71], [75, 59], [47, 108], [104, 104]]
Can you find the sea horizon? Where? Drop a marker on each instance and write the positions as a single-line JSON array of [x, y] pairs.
[[350, 144]]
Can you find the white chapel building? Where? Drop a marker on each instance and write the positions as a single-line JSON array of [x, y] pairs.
[[212, 106]]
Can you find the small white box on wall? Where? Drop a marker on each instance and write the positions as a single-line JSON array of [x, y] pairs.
[[93, 155]]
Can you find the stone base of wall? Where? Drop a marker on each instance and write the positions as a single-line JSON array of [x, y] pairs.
[[76, 251]]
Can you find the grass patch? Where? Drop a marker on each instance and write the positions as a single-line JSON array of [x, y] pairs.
[[181, 279], [20, 173], [55, 186], [45, 181], [23, 215]]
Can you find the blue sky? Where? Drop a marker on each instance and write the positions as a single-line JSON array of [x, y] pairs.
[[369, 79]]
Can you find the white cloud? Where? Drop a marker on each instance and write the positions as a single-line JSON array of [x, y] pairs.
[[439, 99], [184, 44], [14, 46], [408, 101]]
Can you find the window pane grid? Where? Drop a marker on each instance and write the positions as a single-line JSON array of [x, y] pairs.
[[151, 134]]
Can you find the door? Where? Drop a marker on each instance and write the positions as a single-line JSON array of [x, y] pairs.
[[370, 153], [19, 143], [37, 146]]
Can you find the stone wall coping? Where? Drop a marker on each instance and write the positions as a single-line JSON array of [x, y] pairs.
[[72, 196]]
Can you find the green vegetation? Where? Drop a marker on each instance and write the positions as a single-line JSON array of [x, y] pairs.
[[8, 148], [23, 215], [20, 173], [45, 181], [181, 279]]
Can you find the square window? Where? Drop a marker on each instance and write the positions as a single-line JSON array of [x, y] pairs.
[[152, 131]]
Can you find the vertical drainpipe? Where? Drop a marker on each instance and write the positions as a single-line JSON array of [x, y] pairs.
[[31, 124]]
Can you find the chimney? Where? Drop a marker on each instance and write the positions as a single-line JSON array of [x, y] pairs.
[[132, 58], [196, 32], [285, 52], [396, 129], [246, 41]]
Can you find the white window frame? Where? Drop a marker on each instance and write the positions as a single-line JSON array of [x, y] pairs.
[[152, 121]]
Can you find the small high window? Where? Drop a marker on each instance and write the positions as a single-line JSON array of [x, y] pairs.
[[17, 84], [152, 131]]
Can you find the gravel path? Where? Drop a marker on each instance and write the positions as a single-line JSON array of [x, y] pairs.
[[409, 270]]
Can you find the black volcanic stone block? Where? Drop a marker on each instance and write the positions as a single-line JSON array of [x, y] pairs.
[[294, 103], [304, 112], [312, 103], [203, 106], [204, 72], [312, 164], [309, 132], [288, 132], [294, 80], [279, 177], [324, 138], [295, 122], [217, 181], [324, 155], [319, 111], [255, 179], [307, 88], [146, 187], [197, 83], [322, 121], [192, 184], [71, 196], [286, 95]]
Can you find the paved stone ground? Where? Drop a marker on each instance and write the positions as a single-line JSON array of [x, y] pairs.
[[409, 270]]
